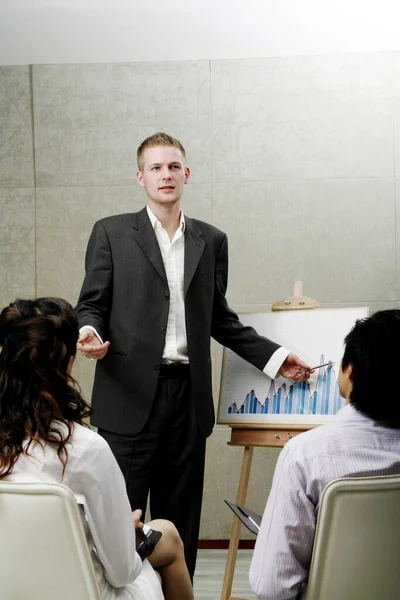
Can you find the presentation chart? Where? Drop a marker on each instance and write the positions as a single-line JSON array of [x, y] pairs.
[[296, 398], [249, 396]]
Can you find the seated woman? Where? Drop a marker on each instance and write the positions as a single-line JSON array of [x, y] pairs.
[[43, 437]]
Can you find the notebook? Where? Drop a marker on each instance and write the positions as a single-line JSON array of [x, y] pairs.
[[249, 518]]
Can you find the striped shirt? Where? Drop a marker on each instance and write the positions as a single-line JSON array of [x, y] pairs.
[[352, 445]]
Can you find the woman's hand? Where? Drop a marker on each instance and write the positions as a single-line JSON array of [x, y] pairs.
[[137, 523]]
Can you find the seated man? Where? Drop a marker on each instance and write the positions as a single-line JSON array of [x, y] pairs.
[[362, 440]]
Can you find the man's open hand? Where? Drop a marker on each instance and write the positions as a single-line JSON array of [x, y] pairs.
[[291, 367], [90, 345]]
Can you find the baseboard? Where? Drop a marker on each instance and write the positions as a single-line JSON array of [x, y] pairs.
[[224, 544]]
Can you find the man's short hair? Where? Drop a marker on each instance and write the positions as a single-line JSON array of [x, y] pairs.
[[158, 139], [372, 348]]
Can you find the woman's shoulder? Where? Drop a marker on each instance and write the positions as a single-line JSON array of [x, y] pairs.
[[90, 464], [88, 453], [85, 441], [84, 432]]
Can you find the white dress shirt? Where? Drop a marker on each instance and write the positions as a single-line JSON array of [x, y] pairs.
[[173, 255], [351, 445], [92, 473]]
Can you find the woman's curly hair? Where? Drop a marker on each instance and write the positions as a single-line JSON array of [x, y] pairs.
[[37, 340]]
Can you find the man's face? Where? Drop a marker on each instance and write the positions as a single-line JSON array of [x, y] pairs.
[[163, 174]]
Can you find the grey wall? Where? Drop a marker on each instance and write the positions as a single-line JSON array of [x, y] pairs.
[[295, 158]]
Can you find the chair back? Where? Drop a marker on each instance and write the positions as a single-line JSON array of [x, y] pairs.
[[43, 551], [356, 553]]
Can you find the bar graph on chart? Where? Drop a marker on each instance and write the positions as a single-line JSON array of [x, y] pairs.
[[250, 396], [297, 398]]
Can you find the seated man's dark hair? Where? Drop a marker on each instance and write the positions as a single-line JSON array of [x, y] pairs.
[[372, 348]]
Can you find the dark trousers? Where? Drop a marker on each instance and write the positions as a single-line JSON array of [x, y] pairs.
[[167, 459]]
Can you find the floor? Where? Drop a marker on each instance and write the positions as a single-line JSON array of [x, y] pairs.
[[210, 571]]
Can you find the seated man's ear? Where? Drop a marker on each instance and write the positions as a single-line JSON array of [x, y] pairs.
[[349, 372], [345, 381]]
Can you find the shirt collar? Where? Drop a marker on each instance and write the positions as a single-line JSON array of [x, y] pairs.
[[155, 223], [347, 412], [350, 414]]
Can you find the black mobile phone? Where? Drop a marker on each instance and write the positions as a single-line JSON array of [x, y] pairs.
[[148, 541]]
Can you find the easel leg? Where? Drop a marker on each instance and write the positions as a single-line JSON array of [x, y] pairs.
[[234, 541]]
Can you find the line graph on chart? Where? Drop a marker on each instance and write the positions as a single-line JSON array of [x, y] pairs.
[[249, 396], [302, 398]]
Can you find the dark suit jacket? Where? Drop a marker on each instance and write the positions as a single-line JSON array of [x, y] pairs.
[[125, 296]]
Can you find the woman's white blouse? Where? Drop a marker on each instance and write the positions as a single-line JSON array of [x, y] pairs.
[[93, 475]]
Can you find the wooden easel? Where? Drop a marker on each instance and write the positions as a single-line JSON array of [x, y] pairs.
[[252, 436]]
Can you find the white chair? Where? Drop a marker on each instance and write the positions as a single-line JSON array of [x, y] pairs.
[[356, 553], [43, 550]]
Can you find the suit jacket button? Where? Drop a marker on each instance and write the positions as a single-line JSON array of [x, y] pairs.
[[166, 296], [163, 330], [157, 366]]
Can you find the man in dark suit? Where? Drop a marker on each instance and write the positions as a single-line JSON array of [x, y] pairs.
[[155, 291]]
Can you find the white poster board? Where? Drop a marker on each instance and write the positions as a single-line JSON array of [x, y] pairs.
[[248, 396]]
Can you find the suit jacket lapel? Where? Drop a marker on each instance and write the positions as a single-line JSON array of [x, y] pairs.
[[144, 235], [194, 247]]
